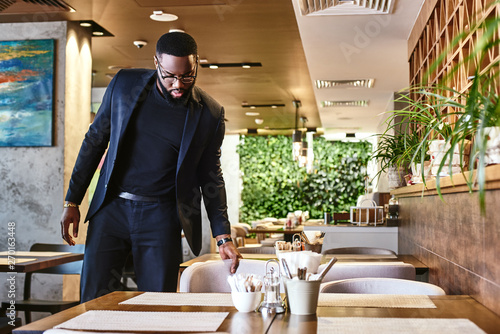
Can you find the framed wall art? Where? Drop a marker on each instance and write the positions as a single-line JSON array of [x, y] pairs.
[[26, 92]]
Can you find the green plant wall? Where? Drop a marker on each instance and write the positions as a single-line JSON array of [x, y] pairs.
[[273, 184]]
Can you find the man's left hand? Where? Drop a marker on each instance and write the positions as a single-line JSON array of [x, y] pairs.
[[229, 251]]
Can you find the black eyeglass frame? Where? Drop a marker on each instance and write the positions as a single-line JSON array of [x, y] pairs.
[[185, 79]]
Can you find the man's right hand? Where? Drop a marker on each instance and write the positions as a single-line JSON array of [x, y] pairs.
[[70, 216]]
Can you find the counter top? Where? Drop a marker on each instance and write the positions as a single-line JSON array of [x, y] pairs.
[[351, 228], [454, 184]]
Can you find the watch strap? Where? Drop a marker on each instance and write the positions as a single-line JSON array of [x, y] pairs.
[[223, 241]]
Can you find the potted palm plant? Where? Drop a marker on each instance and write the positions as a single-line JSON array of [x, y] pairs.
[[477, 108]]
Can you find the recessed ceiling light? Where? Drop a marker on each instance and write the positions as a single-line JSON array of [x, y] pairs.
[[244, 65], [159, 15], [96, 29], [213, 67], [253, 106], [360, 103], [259, 121], [250, 113], [367, 83]]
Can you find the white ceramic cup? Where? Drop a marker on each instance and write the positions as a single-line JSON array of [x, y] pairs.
[[302, 296], [246, 301]]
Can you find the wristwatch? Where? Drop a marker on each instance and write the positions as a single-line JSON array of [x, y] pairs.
[[223, 241]]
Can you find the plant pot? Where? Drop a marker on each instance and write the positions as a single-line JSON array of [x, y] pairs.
[[492, 155], [396, 177], [416, 170], [439, 148]]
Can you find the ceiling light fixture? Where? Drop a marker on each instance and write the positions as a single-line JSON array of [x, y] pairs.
[[259, 121], [96, 29], [360, 103], [250, 113], [244, 65], [253, 106], [159, 15], [367, 83], [297, 135]]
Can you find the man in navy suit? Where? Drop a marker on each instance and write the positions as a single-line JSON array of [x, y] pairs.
[[163, 137]]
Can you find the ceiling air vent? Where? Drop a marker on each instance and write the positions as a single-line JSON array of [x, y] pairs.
[[360, 103], [367, 83], [33, 6], [345, 7]]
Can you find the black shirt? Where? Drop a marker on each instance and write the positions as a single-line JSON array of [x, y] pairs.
[[147, 158]]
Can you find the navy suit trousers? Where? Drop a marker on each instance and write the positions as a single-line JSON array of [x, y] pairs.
[[150, 230]]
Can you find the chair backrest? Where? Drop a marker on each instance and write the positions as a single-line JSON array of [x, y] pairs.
[[211, 276], [346, 270], [359, 250], [257, 250], [382, 286], [71, 268]]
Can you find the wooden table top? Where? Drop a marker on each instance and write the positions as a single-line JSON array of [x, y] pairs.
[[277, 229], [41, 262], [254, 322], [419, 266]]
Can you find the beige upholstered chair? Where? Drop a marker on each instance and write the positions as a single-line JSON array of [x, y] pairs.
[[359, 250], [211, 276], [238, 233], [257, 250], [382, 286], [346, 270]]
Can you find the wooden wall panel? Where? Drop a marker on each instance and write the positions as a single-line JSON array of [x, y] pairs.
[[459, 245]]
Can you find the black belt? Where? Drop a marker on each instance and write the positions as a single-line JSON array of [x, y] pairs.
[[139, 198]]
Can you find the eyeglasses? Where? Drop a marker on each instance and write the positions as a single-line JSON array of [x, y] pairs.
[[171, 79]]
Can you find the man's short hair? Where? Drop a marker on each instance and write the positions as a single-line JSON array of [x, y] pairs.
[[177, 44]]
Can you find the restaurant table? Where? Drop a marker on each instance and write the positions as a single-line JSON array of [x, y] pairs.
[[288, 232], [37, 262], [235, 322], [420, 268], [447, 307]]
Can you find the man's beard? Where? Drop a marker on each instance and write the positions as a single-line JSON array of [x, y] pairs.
[[175, 102]]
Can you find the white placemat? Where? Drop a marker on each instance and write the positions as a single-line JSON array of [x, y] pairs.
[[69, 331], [181, 298], [37, 254], [146, 321], [5, 260], [396, 326], [375, 300], [361, 256]]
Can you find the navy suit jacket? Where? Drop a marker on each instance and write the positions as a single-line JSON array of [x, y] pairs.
[[198, 167]]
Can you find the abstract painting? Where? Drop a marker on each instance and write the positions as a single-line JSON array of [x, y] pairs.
[[26, 92]]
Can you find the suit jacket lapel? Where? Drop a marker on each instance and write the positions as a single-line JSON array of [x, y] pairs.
[[192, 119], [135, 92]]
